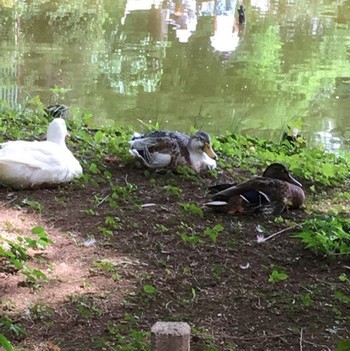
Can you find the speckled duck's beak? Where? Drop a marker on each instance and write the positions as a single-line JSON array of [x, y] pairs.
[[209, 151]]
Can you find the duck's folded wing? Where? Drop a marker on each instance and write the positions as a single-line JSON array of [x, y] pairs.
[[29, 146], [156, 152], [36, 158], [164, 145], [256, 184], [258, 194], [214, 189]]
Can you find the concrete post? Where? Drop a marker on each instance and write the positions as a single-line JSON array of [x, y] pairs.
[[171, 336]]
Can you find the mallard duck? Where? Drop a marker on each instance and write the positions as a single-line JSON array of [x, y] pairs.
[[26, 164], [270, 194], [58, 110], [160, 149]]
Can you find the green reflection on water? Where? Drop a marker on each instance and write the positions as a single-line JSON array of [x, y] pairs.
[[290, 61]]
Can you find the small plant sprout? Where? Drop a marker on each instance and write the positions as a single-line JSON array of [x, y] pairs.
[[87, 308], [174, 190], [34, 205], [194, 293], [306, 299], [150, 289], [161, 228], [15, 253], [277, 276], [213, 233], [41, 311], [188, 235], [107, 266], [189, 209], [343, 278]]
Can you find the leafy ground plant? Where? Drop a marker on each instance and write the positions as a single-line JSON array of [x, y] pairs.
[[327, 235], [277, 275], [15, 252]]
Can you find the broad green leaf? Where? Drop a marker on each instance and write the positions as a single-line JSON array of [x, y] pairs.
[[149, 289], [4, 342]]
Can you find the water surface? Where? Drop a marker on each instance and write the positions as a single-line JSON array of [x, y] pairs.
[[185, 63]]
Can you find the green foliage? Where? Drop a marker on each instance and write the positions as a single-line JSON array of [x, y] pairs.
[[186, 172], [34, 205], [174, 190], [306, 299], [126, 337], [86, 307], [343, 278], [43, 240], [149, 289], [189, 209], [217, 271], [27, 124], [188, 235], [161, 228], [313, 164], [343, 345], [107, 266], [250, 153], [4, 342], [7, 326], [213, 233], [277, 276], [15, 253], [41, 311], [327, 235], [59, 92], [340, 296]]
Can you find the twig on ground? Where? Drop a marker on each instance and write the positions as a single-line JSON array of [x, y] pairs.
[[317, 345], [8, 202], [259, 337], [103, 200], [261, 239]]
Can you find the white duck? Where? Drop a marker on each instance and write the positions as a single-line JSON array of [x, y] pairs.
[[26, 164]]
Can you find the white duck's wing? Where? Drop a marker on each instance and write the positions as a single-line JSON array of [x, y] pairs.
[[24, 164], [42, 154], [34, 160], [19, 146]]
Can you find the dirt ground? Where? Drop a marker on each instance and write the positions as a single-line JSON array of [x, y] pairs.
[[221, 288]]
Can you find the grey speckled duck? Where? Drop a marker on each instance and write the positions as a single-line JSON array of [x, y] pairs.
[[161, 149]]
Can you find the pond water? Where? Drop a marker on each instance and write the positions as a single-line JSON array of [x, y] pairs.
[[185, 63]]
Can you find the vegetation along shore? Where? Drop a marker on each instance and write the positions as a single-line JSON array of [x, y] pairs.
[[92, 264]]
